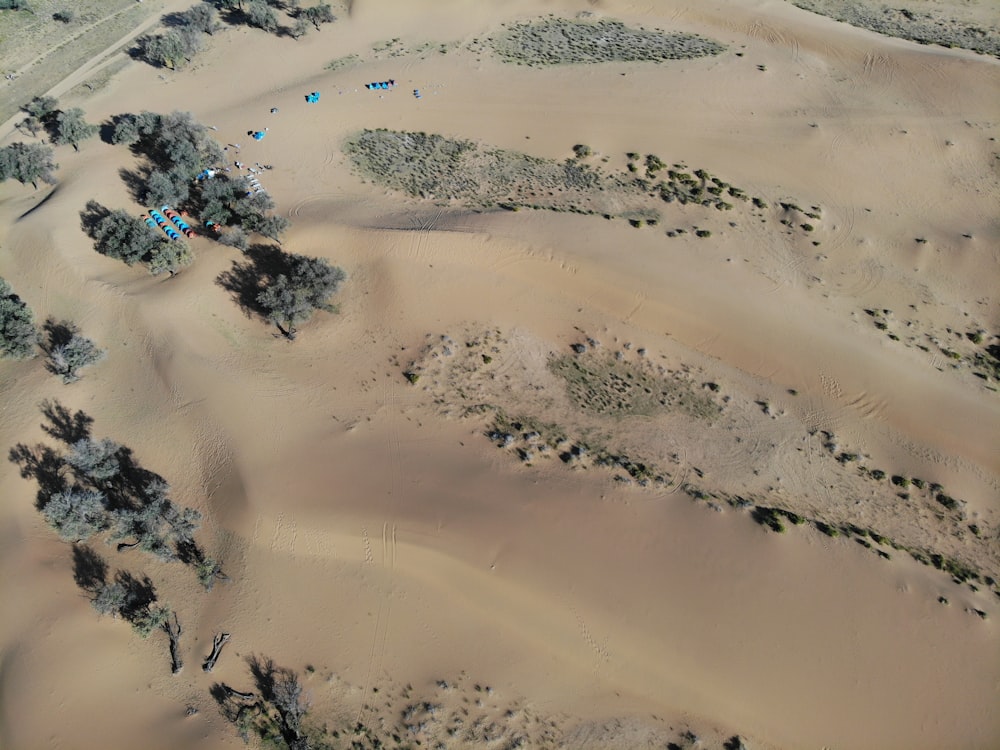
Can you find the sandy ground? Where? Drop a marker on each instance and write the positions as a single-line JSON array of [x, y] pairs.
[[379, 540]]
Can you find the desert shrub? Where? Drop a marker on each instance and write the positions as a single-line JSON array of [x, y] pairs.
[[582, 151], [64, 16], [77, 514], [15, 5], [66, 359], [18, 334], [27, 162]]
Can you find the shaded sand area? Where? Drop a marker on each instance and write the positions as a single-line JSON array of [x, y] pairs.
[[522, 489]]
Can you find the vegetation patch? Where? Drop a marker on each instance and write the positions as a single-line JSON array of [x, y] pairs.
[[609, 385], [446, 169], [924, 28], [561, 41]]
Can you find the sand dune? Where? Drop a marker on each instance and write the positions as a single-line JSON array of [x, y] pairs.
[[369, 528]]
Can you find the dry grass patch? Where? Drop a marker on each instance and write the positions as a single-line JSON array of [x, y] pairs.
[[561, 41], [606, 384]]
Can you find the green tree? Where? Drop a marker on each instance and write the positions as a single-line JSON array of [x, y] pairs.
[[167, 188], [260, 15], [70, 127], [201, 17], [42, 107], [27, 162], [292, 298], [127, 238], [169, 257], [18, 334]]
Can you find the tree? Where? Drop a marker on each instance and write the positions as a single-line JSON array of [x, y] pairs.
[[291, 298], [299, 28], [167, 50], [124, 237], [66, 359], [201, 17], [77, 514], [70, 127], [96, 461], [318, 14], [258, 14], [235, 237], [272, 226], [42, 108], [27, 162], [18, 334], [170, 188], [65, 16], [169, 257]]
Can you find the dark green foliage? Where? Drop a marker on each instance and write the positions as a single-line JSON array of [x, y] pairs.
[[582, 151], [174, 49], [71, 128], [15, 5], [770, 517], [174, 143], [167, 188], [290, 298], [18, 334], [169, 257], [127, 238], [64, 16], [877, 474], [829, 530], [317, 14], [27, 162]]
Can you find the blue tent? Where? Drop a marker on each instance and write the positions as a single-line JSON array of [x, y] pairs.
[[259, 135], [313, 97]]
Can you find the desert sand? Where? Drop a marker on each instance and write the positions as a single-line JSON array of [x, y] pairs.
[[378, 543]]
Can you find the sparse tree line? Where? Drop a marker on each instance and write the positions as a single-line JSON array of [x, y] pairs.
[[185, 37], [68, 351], [95, 488], [33, 162]]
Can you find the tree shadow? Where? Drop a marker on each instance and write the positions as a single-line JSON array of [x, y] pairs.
[[57, 333], [90, 571], [45, 466], [136, 181], [64, 425], [140, 594], [245, 280], [91, 217]]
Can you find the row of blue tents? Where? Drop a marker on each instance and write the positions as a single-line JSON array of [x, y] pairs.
[[381, 85]]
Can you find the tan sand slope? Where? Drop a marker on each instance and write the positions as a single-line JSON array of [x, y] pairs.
[[383, 543]]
